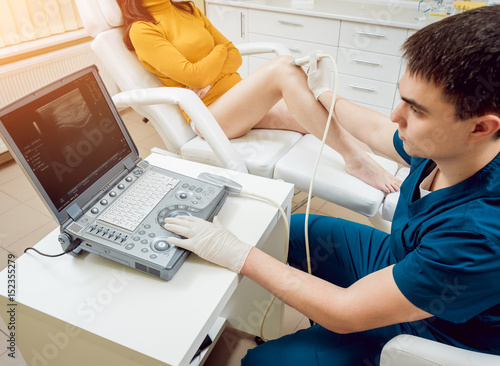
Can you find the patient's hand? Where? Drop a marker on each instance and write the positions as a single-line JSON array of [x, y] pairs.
[[201, 92]]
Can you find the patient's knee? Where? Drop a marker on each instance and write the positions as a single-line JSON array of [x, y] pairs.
[[283, 66]]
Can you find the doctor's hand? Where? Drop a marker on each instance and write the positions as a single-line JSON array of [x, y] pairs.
[[319, 77], [210, 241]]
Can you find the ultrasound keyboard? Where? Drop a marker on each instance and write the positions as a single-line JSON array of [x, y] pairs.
[[138, 201], [126, 224]]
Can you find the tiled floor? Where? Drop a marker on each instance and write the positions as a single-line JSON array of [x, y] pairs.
[[24, 220]]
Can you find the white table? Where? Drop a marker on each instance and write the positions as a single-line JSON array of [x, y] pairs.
[[88, 310]]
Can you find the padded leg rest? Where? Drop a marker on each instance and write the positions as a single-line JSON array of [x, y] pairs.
[[259, 149], [332, 182], [391, 200]]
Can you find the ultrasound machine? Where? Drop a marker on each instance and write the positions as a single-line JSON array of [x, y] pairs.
[[75, 149]]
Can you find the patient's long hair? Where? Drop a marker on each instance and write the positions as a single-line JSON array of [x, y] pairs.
[[133, 11]]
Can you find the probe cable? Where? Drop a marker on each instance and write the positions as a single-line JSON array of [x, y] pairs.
[[309, 197], [287, 239]]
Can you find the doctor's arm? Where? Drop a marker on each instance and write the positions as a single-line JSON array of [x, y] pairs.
[[371, 302]]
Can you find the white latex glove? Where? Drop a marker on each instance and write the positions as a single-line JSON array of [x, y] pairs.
[[318, 75], [210, 241]]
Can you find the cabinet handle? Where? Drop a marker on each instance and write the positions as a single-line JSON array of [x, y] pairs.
[[295, 49], [242, 25], [289, 22], [354, 86], [368, 34], [375, 63]]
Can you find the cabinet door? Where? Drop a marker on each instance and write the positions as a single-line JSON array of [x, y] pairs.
[[293, 26], [369, 65], [231, 22], [372, 37], [367, 91]]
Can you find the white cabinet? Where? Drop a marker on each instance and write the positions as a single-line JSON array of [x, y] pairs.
[[367, 52], [230, 21], [293, 26], [297, 32], [369, 63], [367, 91], [374, 38]]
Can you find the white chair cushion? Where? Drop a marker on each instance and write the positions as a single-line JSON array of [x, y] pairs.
[[331, 182], [99, 15], [129, 74], [111, 12], [391, 200], [260, 149], [122, 64]]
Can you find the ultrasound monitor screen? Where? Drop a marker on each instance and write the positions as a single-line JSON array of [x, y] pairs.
[[68, 137]]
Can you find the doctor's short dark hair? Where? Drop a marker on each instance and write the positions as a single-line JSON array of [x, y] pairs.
[[461, 54]]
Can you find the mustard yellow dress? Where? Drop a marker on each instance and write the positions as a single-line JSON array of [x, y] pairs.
[[186, 50]]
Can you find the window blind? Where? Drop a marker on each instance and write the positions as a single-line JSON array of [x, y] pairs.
[[29, 20]]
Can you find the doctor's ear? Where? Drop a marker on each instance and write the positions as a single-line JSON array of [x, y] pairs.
[[485, 126]]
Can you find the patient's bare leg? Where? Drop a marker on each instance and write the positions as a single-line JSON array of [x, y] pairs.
[[255, 103]]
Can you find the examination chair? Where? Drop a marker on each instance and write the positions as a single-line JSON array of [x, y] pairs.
[[275, 154], [409, 350], [256, 152]]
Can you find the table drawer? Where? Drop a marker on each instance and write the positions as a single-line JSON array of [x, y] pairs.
[[371, 37], [297, 48], [366, 91], [369, 65], [300, 27]]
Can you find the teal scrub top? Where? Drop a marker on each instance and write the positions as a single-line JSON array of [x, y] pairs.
[[446, 250]]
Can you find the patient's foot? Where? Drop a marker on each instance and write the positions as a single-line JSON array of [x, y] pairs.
[[362, 166]]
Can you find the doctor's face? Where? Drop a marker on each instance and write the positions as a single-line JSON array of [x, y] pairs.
[[427, 123]]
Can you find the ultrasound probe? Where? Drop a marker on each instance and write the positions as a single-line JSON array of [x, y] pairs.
[[305, 60]]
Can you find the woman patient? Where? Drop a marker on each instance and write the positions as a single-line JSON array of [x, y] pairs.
[[177, 43]]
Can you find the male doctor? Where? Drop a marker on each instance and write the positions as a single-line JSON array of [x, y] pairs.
[[437, 274]]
